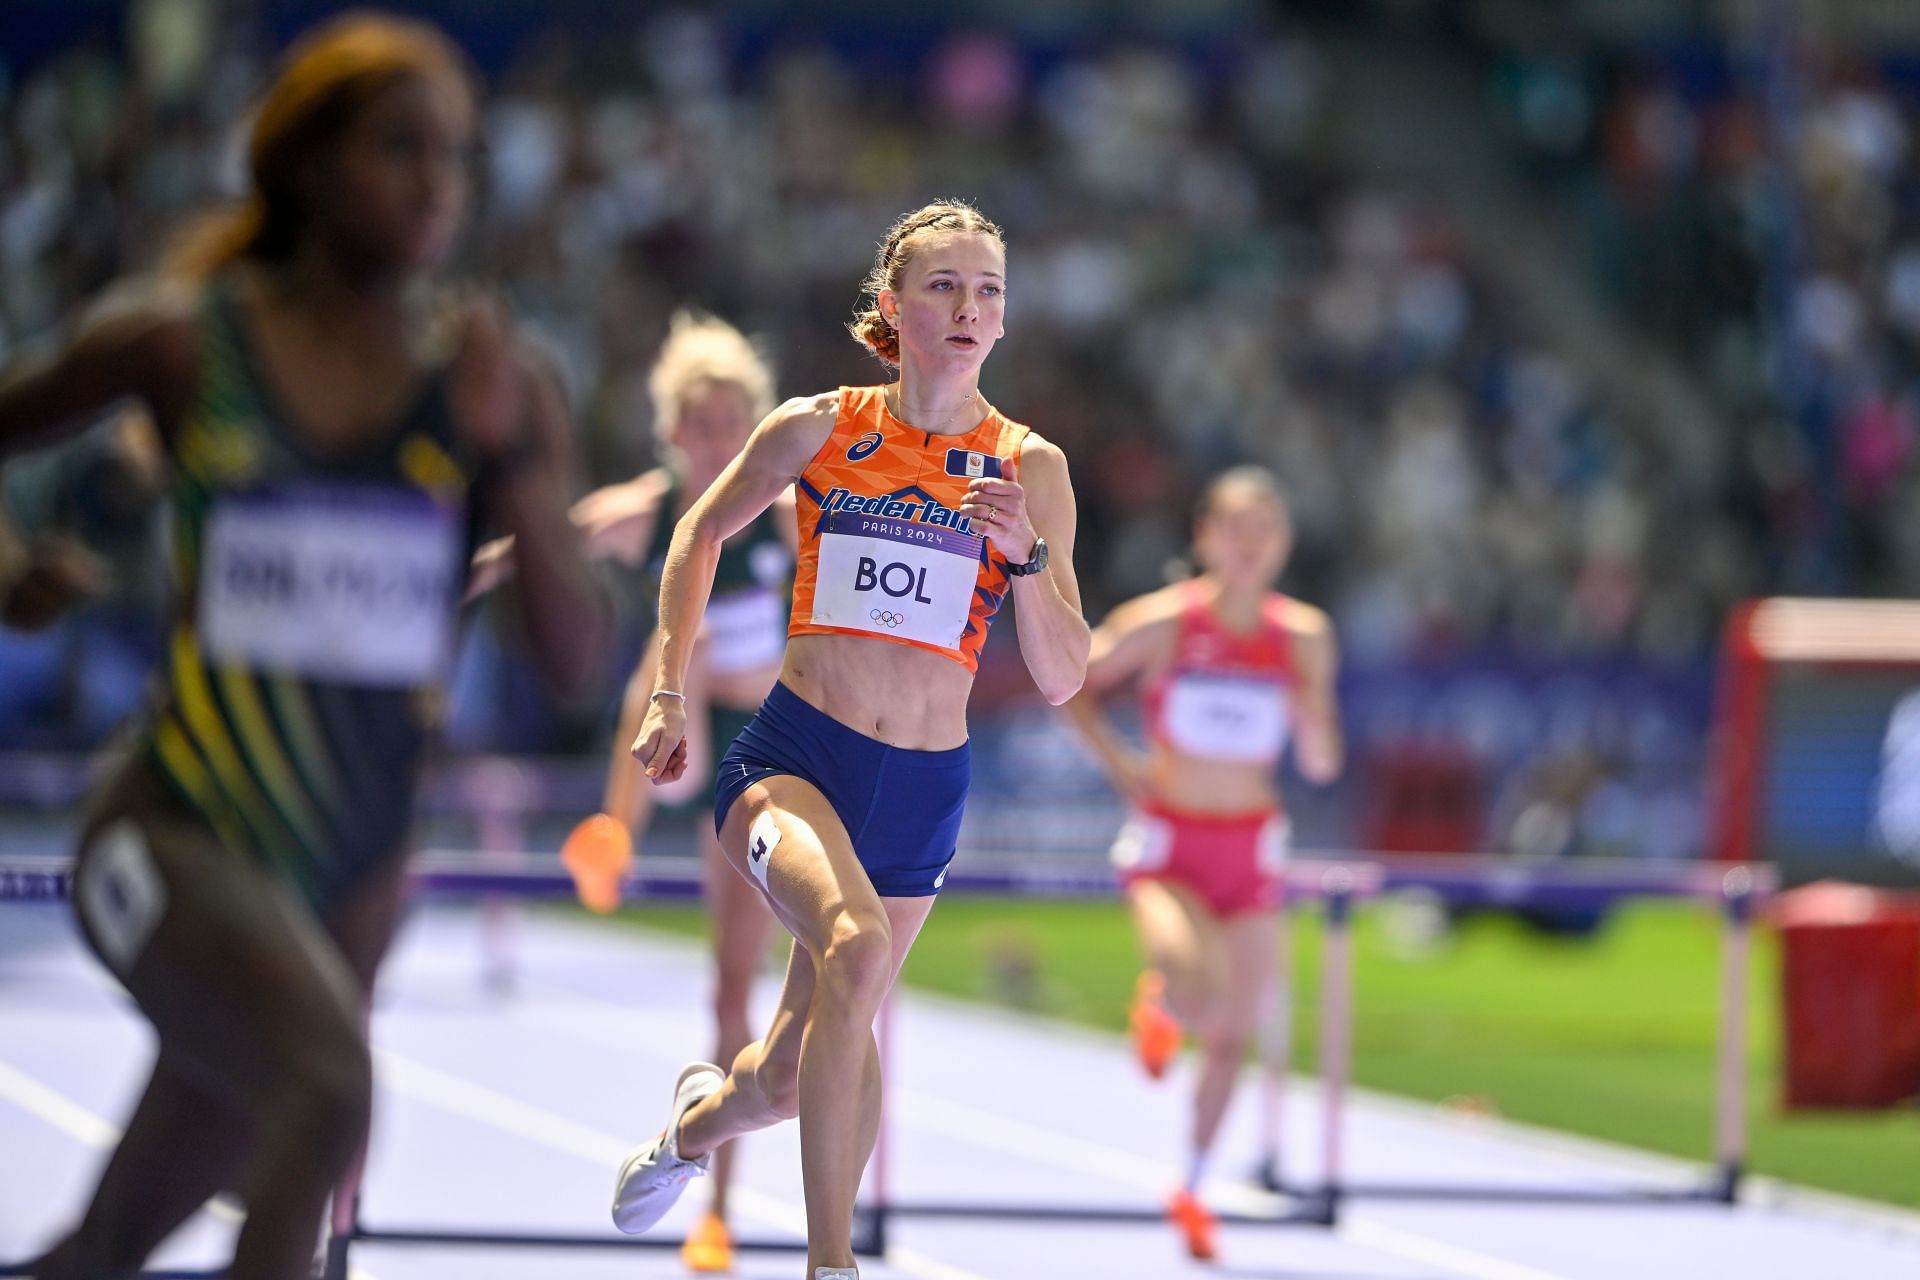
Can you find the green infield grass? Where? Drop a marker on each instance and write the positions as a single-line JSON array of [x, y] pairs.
[[1610, 1036]]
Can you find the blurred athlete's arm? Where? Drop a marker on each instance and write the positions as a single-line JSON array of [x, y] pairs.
[[1132, 639], [776, 454], [619, 522], [1319, 747], [616, 522], [135, 342], [511, 411]]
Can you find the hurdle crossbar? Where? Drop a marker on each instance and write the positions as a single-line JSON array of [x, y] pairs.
[[1337, 881], [1583, 883], [51, 880], [20, 1269], [1336, 885]]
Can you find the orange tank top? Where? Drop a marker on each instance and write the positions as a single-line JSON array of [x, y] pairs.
[[883, 550]]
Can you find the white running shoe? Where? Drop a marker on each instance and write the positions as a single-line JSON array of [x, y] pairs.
[[653, 1177], [835, 1273]]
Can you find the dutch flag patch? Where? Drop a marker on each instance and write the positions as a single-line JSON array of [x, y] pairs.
[[966, 462]]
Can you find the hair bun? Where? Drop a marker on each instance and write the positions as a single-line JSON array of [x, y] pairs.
[[869, 327]]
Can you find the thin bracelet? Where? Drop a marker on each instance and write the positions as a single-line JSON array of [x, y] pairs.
[[666, 693]]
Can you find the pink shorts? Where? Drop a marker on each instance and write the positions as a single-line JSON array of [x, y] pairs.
[[1231, 862]]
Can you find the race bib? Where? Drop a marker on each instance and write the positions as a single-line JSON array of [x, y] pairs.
[[1227, 717], [895, 578], [745, 631], [355, 585]]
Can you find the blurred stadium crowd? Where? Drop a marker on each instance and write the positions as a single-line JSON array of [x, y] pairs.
[[1199, 277], [1766, 228]]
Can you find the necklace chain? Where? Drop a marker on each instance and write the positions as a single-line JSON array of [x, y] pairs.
[[894, 391]]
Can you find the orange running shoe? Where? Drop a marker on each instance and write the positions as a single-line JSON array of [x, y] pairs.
[[709, 1246], [1155, 1032], [1196, 1223], [597, 854]]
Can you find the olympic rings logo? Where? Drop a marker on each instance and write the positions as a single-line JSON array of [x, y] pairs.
[[887, 617]]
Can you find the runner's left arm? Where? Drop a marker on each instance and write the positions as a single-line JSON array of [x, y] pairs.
[[773, 459], [624, 798], [1054, 637], [1319, 747], [1128, 641]]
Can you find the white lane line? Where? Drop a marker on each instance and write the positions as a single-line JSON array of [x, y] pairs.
[[1032, 1142], [940, 1116], [916, 1263], [484, 1104], [69, 1117], [979, 1127], [463, 1097], [1436, 1253], [56, 1109], [477, 1102], [943, 1117], [976, 1126]]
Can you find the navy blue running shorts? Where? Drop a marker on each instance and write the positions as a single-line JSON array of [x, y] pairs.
[[901, 808]]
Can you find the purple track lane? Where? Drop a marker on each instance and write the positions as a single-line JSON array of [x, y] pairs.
[[508, 1111]]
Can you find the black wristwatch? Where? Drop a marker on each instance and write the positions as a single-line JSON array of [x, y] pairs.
[[1034, 565]]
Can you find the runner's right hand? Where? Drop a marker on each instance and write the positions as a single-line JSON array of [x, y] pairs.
[[661, 746]]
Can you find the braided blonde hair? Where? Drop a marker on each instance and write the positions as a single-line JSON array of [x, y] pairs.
[[869, 327]]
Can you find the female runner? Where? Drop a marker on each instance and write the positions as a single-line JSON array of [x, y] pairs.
[[1230, 671], [920, 507], [335, 444], [709, 388]]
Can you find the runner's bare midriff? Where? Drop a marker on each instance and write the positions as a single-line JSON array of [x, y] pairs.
[[740, 690], [1194, 785], [902, 696]]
